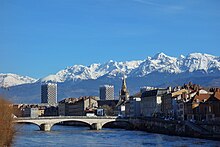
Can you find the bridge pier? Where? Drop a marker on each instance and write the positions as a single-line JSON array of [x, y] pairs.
[[46, 127], [96, 126]]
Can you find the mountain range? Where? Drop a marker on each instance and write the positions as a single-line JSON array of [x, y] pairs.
[[160, 70]]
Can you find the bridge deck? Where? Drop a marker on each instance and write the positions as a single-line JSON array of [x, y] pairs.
[[68, 117]]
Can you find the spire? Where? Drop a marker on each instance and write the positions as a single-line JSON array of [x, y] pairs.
[[124, 91], [124, 87], [123, 94]]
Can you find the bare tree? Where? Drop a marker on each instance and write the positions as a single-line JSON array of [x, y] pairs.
[[6, 123], [108, 110]]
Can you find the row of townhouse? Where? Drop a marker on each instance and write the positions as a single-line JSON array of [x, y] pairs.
[[82, 106], [77, 106], [203, 107], [189, 102], [145, 104], [192, 102], [34, 110], [87, 105]]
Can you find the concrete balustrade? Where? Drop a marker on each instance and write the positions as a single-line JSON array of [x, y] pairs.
[[46, 123]]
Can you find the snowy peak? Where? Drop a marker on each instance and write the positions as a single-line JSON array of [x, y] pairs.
[[114, 69], [94, 71], [163, 63], [74, 73], [160, 56], [198, 61], [8, 80], [159, 63]]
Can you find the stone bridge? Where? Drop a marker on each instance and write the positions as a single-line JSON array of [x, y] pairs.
[[46, 123]]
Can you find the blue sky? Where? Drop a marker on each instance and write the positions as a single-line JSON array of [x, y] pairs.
[[41, 37]]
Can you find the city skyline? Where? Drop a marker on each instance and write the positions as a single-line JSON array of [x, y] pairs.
[[41, 38], [109, 73]]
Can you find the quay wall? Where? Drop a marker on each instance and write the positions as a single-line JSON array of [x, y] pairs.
[[179, 128]]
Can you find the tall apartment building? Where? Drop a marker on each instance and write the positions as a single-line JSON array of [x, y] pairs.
[[106, 92], [49, 93]]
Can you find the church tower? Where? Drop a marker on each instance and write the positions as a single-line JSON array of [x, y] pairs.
[[124, 94]]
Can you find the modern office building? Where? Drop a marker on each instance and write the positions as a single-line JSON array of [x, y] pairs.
[[106, 92], [49, 93]]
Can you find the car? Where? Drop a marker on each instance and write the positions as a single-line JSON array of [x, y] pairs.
[[120, 116]]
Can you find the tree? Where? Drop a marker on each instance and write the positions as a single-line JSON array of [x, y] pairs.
[[6, 123], [108, 110]]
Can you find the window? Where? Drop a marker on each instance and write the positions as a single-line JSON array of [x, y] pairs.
[[210, 109]]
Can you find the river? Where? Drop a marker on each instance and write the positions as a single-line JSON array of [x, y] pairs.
[[29, 135]]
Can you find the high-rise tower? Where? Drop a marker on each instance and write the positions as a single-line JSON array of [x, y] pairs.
[[106, 92], [49, 93]]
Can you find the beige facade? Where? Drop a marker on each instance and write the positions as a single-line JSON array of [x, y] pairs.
[[78, 107], [151, 105], [151, 102], [41, 112]]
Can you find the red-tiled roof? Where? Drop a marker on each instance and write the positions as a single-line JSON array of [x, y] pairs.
[[201, 97], [217, 95]]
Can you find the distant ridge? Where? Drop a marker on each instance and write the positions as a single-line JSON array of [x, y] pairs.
[[9, 79], [159, 63], [159, 70]]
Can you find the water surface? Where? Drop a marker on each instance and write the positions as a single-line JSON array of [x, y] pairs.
[[29, 135]]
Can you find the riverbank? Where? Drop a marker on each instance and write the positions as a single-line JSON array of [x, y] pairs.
[[178, 128], [168, 127]]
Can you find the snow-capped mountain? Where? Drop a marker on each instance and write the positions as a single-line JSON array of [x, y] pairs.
[[160, 70], [8, 80], [166, 64], [198, 61], [159, 63], [94, 71]]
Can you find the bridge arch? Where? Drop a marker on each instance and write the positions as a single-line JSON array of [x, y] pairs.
[[33, 123], [85, 123], [120, 122], [30, 122]]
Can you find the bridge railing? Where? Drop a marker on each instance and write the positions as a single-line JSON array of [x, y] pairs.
[[67, 117]]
